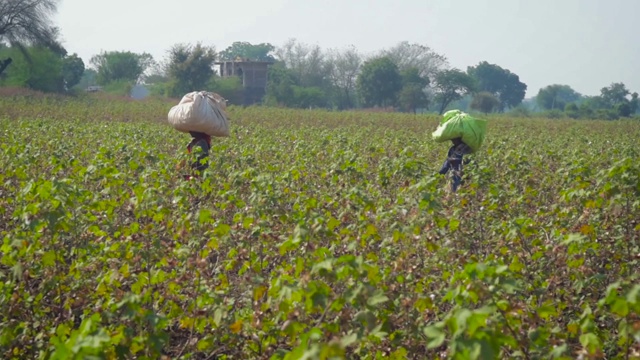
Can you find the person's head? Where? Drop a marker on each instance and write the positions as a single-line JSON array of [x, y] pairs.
[[456, 141]]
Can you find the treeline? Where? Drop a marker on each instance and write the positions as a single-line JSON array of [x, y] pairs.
[[406, 77], [615, 101]]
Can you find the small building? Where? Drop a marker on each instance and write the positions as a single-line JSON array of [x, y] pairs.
[[253, 75]]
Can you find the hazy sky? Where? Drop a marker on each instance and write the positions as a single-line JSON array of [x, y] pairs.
[[586, 44]]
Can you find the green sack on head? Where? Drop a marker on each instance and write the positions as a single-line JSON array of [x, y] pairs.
[[449, 114], [457, 124]]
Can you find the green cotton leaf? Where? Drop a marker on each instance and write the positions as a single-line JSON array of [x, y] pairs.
[[516, 265], [590, 341], [204, 344], [454, 224], [222, 230], [49, 259], [612, 292], [462, 317], [95, 341], [632, 296], [376, 299], [348, 340], [366, 318], [435, 335], [333, 223], [323, 265], [558, 351], [547, 311], [204, 216], [247, 222], [63, 331], [620, 307], [571, 238]]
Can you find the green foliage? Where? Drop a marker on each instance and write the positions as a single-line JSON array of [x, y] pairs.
[[499, 82], [246, 50], [88, 79], [412, 95], [417, 56], [343, 75], [485, 102], [118, 87], [412, 76], [572, 110], [615, 94], [556, 97], [379, 82], [308, 97], [634, 103], [72, 70], [120, 66], [313, 234], [520, 111], [25, 23], [308, 63], [283, 91], [38, 68], [280, 86], [189, 68], [452, 85], [229, 88]]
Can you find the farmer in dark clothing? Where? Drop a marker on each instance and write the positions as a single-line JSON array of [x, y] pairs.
[[454, 161], [200, 145]]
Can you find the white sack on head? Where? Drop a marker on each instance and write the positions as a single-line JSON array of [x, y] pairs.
[[201, 111]]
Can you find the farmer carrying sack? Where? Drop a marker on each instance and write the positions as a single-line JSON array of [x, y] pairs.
[[200, 111], [457, 124]]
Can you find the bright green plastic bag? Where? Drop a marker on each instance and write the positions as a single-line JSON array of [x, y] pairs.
[[457, 124]]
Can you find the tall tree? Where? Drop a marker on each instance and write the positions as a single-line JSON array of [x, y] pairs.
[[406, 55], [246, 50], [189, 68], [379, 82], [412, 95], [120, 65], [308, 63], [485, 101], [28, 22], [451, 85], [343, 74], [556, 97], [280, 85], [502, 83], [42, 71], [615, 94], [634, 103], [72, 70]]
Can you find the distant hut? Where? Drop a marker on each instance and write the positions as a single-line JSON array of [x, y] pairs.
[[253, 75]]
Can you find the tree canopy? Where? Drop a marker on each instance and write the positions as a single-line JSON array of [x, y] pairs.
[[120, 65], [379, 82], [502, 83], [451, 85], [28, 22], [246, 50], [485, 102], [556, 96], [407, 55], [189, 68], [412, 95]]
